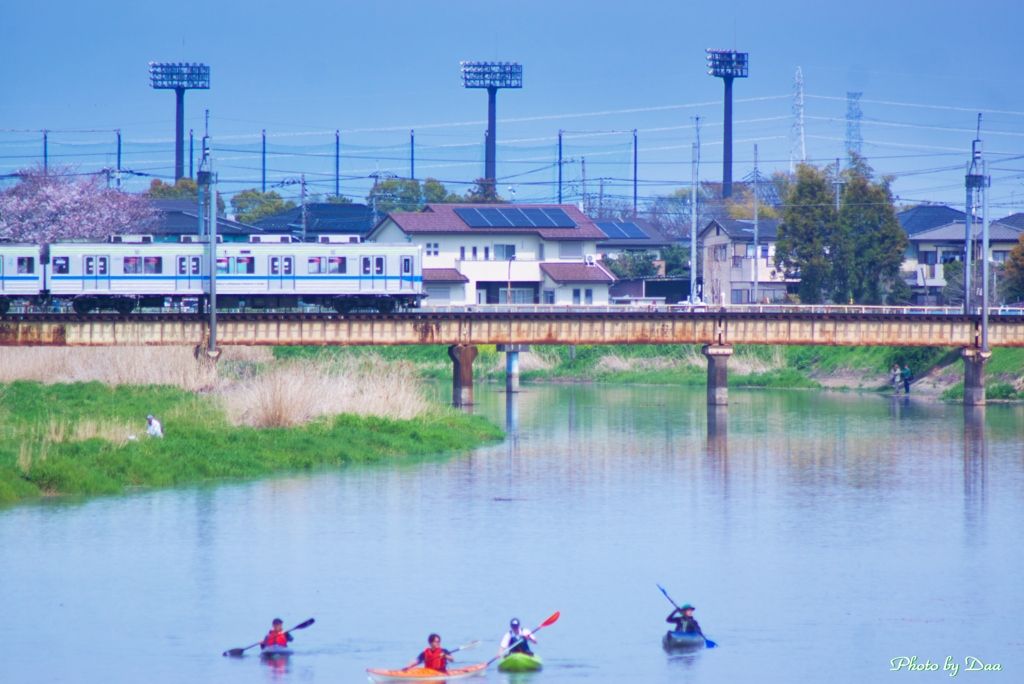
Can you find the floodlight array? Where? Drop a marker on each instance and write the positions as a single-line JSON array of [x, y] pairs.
[[492, 75], [727, 63], [170, 76]]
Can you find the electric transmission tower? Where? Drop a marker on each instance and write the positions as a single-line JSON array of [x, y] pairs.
[[853, 116], [797, 143]]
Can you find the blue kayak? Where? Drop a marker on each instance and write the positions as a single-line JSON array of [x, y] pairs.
[[677, 641]]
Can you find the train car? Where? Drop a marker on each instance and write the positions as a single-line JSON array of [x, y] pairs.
[[20, 274], [342, 276]]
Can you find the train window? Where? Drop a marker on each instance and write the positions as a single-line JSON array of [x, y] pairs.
[[101, 266], [378, 266], [26, 265], [244, 265], [366, 265], [61, 265], [222, 265], [153, 265], [182, 265], [286, 263], [406, 265], [195, 266], [275, 265], [337, 265], [132, 265], [316, 265]]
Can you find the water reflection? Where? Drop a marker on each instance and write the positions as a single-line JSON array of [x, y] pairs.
[[975, 466], [718, 446]]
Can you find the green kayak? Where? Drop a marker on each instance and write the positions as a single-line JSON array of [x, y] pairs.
[[520, 662]]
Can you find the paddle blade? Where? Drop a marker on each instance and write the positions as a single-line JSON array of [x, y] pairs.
[[304, 625], [709, 643], [233, 652], [471, 645], [551, 620]]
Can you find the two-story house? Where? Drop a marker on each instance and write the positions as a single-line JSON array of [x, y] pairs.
[[730, 264], [493, 254]]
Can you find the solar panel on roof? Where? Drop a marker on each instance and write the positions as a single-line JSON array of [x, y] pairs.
[[559, 218], [538, 218], [472, 217], [494, 217], [611, 230], [515, 217], [633, 231]]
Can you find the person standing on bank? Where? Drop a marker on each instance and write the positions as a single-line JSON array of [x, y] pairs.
[[896, 377], [906, 376], [154, 428]]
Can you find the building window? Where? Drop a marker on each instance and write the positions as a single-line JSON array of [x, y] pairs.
[[588, 296], [1000, 257], [737, 261], [764, 251], [576, 296], [927, 258], [504, 252], [540, 253], [549, 296], [738, 296], [462, 253], [721, 252], [570, 250], [433, 249], [487, 253], [474, 253], [61, 265]]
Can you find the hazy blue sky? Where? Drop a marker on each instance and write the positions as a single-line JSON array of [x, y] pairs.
[[375, 70]]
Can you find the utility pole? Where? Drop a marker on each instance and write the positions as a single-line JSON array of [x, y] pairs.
[[583, 169], [634, 172], [756, 251], [559, 167], [214, 353], [191, 154], [303, 177], [984, 255], [119, 158], [693, 225], [975, 181], [46, 153], [337, 164], [412, 155], [263, 157]]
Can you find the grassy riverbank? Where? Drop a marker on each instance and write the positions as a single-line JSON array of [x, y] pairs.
[[937, 370], [248, 417]]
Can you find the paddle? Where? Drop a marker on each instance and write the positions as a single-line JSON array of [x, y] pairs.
[[547, 623], [234, 652], [464, 647], [707, 642]]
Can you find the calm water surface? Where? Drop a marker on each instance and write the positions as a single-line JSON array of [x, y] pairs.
[[819, 535]]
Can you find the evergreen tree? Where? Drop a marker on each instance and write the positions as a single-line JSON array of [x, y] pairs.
[[808, 233], [252, 205], [1013, 278]]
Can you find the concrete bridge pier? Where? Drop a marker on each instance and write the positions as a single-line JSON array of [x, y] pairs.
[[718, 373], [462, 356], [974, 375], [512, 364]]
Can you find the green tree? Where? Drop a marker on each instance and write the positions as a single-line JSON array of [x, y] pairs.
[[434, 192], [1013, 273], [338, 199], [677, 260], [900, 293], [632, 265], [870, 243], [183, 189], [252, 205], [808, 233], [483, 192], [399, 194]]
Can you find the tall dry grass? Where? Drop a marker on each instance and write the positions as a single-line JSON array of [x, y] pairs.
[[298, 392], [35, 440], [175, 366]]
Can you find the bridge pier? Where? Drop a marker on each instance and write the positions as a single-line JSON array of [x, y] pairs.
[[974, 375], [718, 373], [462, 356], [512, 364]]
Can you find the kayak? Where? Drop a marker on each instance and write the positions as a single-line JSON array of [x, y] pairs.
[[423, 674], [682, 640], [276, 652], [520, 662]]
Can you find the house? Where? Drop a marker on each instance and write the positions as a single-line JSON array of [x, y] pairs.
[[730, 265], [633, 235], [496, 253], [324, 222], [177, 220], [930, 249], [927, 216]]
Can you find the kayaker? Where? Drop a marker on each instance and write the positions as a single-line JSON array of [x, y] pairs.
[[434, 657], [518, 638], [277, 635], [683, 620]]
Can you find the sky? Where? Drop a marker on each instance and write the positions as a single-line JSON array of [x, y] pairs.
[[597, 70]]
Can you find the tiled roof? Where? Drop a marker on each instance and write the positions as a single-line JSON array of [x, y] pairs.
[[743, 229], [322, 218], [573, 272], [441, 218], [954, 232], [1015, 220], [926, 217], [179, 217], [654, 237], [443, 275]]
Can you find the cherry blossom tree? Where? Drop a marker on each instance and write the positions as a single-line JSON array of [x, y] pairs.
[[58, 204]]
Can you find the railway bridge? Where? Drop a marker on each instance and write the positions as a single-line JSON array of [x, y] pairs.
[[513, 329]]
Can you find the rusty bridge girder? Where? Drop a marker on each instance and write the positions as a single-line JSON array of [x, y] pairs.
[[419, 328]]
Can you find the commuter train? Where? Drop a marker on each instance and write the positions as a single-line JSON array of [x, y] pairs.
[[92, 276]]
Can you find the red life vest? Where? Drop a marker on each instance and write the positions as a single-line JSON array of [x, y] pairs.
[[434, 659], [276, 639]]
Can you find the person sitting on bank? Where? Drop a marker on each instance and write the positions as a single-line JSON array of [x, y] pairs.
[[154, 428], [683, 620], [517, 638], [277, 635], [434, 657]]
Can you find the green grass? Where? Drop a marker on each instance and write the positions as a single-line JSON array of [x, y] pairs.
[[199, 444]]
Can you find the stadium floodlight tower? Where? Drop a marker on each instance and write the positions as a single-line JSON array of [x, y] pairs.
[[179, 78], [491, 75], [727, 65]]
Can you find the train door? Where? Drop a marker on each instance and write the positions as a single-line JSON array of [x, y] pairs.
[[378, 273], [187, 273], [96, 273], [281, 273], [406, 277], [366, 273]]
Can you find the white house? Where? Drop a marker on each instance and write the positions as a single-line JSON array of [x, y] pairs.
[[486, 254], [730, 264]]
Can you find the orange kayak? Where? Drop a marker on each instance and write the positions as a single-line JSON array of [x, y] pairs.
[[423, 674]]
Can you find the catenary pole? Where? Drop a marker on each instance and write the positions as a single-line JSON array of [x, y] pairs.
[[984, 256], [968, 229], [263, 166], [337, 164], [213, 258], [559, 167], [756, 250], [634, 172], [693, 227]]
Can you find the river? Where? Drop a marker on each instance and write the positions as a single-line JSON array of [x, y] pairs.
[[819, 535]]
